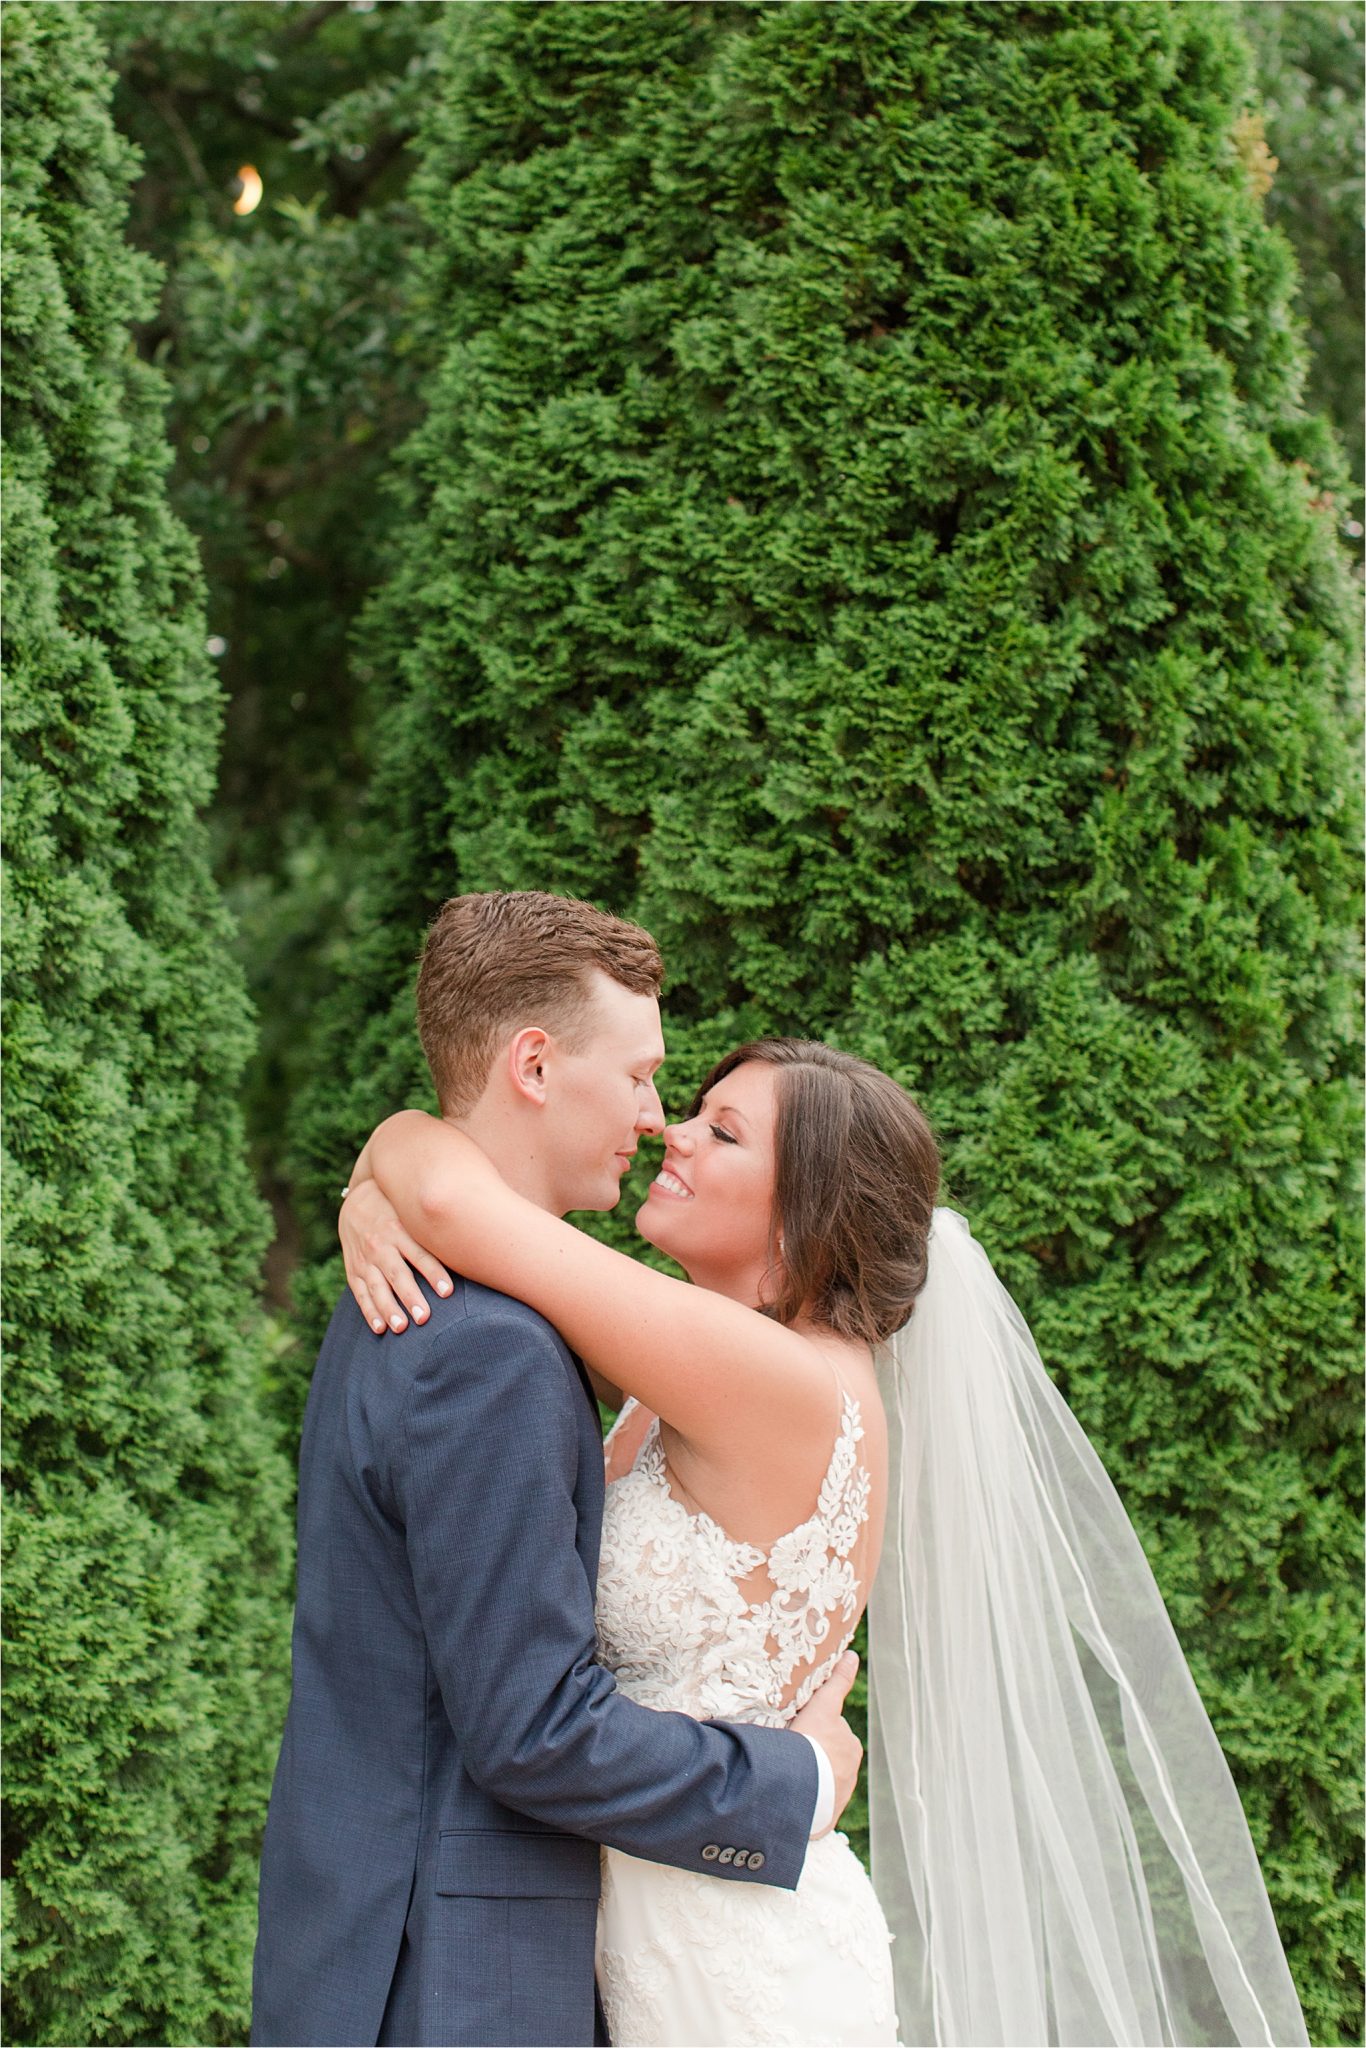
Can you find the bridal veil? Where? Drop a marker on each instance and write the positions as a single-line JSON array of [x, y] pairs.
[[1057, 1841]]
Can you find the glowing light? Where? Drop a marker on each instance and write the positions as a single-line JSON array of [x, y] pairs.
[[246, 189]]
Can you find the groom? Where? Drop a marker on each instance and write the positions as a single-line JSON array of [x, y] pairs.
[[453, 1753]]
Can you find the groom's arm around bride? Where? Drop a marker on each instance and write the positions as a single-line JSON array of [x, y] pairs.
[[454, 1753]]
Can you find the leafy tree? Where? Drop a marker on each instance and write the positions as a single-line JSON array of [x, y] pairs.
[[147, 1532], [295, 342], [293, 353], [867, 526], [1310, 55]]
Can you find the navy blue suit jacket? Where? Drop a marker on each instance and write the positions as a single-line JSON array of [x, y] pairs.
[[453, 1753]]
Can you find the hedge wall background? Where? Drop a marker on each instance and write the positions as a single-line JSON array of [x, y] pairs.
[[147, 1583], [866, 522], [866, 525], [298, 342], [295, 351]]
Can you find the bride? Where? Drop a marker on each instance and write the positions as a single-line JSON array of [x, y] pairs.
[[1058, 1846]]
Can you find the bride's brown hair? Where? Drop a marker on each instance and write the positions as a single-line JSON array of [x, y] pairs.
[[856, 1173]]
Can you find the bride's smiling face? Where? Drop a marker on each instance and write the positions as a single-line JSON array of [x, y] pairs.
[[710, 1206]]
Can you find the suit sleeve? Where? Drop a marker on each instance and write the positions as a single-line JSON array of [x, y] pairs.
[[485, 1488]]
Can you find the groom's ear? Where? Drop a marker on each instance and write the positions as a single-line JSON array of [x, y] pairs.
[[527, 1057]]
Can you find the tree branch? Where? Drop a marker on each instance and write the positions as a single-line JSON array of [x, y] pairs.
[[175, 121], [310, 21], [349, 187]]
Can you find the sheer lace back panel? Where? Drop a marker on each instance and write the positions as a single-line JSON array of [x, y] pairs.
[[691, 1619]]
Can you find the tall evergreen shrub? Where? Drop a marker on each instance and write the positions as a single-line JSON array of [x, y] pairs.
[[867, 527], [290, 346], [146, 1590]]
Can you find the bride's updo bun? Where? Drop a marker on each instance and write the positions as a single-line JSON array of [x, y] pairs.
[[855, 1182]]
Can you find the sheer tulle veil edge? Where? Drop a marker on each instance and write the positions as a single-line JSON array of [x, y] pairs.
[[1057, 1840]]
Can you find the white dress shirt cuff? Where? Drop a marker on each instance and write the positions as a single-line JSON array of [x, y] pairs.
[[823, 1818]]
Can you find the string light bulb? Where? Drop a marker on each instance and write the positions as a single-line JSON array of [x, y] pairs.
[[246, 189]]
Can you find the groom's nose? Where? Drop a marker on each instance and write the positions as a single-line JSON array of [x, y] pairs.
[[650, 1120]]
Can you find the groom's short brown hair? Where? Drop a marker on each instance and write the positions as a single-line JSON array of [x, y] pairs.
[[496, 962]]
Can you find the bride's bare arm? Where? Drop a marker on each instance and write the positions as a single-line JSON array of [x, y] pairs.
[[703, 1362]]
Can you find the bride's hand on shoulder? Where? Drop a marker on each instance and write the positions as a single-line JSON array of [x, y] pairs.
[[381, 1258]]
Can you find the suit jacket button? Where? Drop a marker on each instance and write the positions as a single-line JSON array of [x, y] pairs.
[[726, 1856], [756, 1859], [742, 1859], [711, 1852]]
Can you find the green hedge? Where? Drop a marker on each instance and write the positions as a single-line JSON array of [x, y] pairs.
[[867, 527], [146, 1589]]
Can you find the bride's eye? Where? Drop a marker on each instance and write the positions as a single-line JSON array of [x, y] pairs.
[[718, 1131]]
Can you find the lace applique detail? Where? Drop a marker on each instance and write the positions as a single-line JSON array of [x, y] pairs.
[[690, 1619], [693, 1928], [674, 1621], [687, 1958]]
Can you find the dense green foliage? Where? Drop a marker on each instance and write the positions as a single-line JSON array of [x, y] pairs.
[[146, 1588], [868, 527], [1310, 55], [295, 344], [293, 354]]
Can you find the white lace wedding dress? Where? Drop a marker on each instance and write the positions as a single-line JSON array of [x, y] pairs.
[[691, 1620]]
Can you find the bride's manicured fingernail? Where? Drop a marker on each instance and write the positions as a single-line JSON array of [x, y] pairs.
[[443, 1286], [396, 1322], [419, 1310], [378, 1324]]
